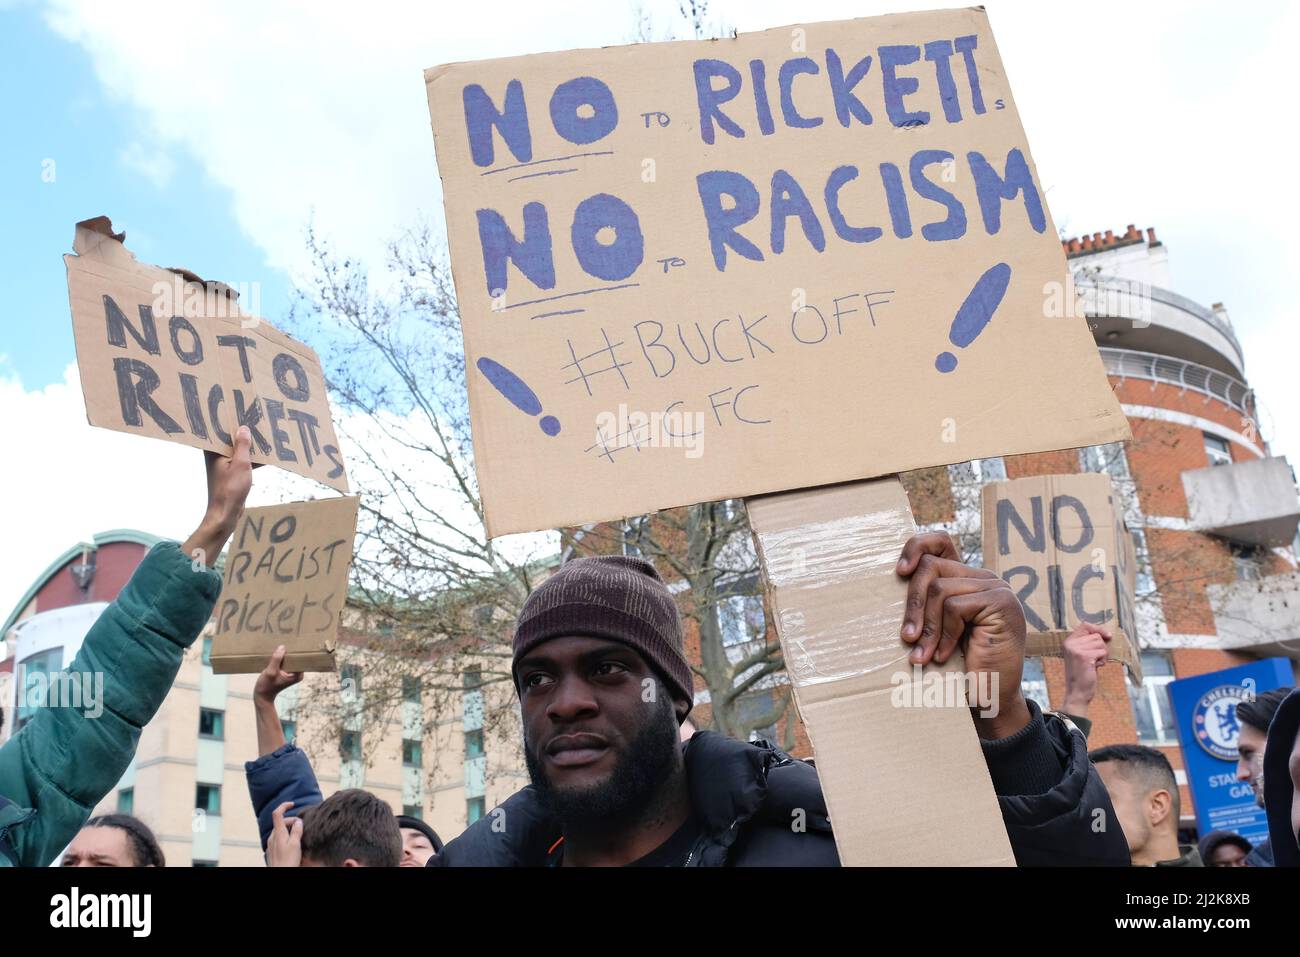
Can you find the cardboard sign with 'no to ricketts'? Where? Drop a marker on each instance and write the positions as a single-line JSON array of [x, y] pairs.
[[163, 354], [703, 270]]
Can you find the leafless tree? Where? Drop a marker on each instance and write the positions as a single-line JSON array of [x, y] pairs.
[[432, 596]]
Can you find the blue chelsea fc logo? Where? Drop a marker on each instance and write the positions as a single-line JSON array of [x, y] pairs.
[[1214, 720]]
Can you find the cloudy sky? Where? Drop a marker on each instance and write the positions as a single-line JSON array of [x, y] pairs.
[[213, 133]]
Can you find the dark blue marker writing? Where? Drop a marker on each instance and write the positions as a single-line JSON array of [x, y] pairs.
[[517, 391], [991, 189], [618, 259], [531, 255], [567, 106], [975, 313], [511, 121], [898, 87]]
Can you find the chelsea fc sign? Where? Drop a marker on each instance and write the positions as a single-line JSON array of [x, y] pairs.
[[1215, 720]]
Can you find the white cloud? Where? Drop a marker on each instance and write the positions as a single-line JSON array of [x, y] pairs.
[[302, 107], [153, 164]]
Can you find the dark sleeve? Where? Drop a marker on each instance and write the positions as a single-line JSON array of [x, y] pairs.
[[1053, 802], [1084, 724], [515, 833], [283, 775]]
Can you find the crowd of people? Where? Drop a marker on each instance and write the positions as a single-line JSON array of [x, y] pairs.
[[618, 775]]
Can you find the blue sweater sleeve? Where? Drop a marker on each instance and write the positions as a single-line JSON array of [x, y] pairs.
[[283, 775]]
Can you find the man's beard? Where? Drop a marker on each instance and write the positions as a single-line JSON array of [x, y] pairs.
[[643, 768]]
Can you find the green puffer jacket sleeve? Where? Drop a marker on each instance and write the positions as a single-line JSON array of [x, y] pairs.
[[63, 762]]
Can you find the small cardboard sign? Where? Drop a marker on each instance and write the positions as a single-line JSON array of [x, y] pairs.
[[162, 353], [285, 583], [697, 271], [1062, 544]]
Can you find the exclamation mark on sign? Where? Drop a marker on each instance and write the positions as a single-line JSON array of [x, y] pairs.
[[517, 391], [975, 313]]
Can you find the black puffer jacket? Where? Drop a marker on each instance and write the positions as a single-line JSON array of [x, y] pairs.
[[1279, 791], [745, 796]]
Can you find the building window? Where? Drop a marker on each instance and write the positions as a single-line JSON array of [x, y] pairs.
[[1033, 683], [207, 650], [350, 746], [1217, 450], [633, 530], [475, 808], [1145, 579], [1248, 562], [473, 679], [410, 689], [413, 810], [32, 692], [978, 471], [212, 724], [207, 798], [290, 729], [992, 470], [1151, 708], [350, 678], [1109, 459], [751, 708], [474, 743], [411, 754], [741, 620], [126, 801]]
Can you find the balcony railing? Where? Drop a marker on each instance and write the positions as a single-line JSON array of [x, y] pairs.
[[1128, 295], [1128, 364]]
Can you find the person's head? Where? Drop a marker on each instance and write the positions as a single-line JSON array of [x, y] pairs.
[[603, 685], [114, 840], [351, 828], [1144, 793], [419, 841], [1224, 849], [1253, 719]]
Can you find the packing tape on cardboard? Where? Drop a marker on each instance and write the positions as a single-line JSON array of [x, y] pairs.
[[835, 554]]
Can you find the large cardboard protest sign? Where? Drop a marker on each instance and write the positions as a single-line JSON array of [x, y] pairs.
[[702, 270], [163, 354], [285, 583], [1062, 544]]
